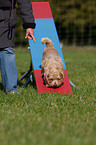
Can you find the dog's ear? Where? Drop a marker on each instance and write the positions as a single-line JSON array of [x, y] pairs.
[[62, 74], [46, 75]]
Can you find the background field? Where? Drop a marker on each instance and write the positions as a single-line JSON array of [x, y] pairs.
[[31, 119]]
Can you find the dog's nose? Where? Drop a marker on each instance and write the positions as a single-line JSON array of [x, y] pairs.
[[55, 84]]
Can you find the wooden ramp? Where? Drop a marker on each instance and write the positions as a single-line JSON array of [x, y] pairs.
[[45, 27]]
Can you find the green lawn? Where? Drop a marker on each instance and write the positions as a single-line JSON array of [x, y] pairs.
[[31, 119]]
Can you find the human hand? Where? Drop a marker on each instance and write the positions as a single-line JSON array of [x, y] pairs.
[[30, 34]]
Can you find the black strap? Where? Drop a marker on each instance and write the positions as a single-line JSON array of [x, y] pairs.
[[10, 21]]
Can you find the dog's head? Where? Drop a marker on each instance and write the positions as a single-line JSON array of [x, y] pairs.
[[54, 76]]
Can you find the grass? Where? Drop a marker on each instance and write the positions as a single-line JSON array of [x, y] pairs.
[[52, 119]]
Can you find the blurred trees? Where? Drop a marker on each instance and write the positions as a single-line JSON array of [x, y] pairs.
[[75, 21]]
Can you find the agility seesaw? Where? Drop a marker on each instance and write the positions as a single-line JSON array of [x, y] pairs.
[[45, 27]]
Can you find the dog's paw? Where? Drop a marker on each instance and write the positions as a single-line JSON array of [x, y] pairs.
[[47, 86]]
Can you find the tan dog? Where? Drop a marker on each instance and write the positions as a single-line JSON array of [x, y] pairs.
[[52, 66]]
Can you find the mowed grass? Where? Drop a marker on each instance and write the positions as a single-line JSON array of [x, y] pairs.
[[29, 118]]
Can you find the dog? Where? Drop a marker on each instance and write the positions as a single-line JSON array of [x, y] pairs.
[[52, 66]]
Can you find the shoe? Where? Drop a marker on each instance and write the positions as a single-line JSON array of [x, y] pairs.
[[13, 92]]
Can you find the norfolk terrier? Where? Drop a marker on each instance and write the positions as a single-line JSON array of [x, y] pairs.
[[52, 66]]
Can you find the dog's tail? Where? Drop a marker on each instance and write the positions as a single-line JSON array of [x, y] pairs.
[[47, 41]]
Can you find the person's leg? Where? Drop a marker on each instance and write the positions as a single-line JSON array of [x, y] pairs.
[[9, 70]]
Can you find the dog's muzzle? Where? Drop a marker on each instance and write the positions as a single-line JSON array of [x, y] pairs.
[[55, 85]]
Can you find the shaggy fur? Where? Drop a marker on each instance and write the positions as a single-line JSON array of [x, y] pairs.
[[52, 66]]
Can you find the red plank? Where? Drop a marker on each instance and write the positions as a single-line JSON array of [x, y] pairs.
[[41, 10], [65, 88]]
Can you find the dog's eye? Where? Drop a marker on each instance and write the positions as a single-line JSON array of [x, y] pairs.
[[51, 79], [58, 78]]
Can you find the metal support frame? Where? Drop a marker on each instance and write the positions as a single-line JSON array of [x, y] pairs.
[[28, 74]]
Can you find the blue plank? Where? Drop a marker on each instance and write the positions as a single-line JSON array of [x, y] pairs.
[[44, 28]]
